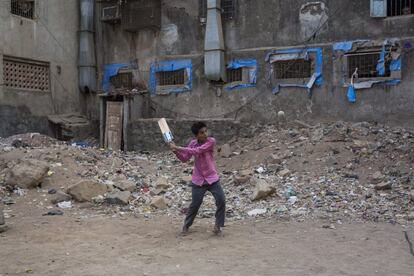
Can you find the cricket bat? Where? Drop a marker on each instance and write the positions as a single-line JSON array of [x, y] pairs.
[[165, 130]]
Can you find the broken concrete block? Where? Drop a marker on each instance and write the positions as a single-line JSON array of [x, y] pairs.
[[162, 183], [60, 196], [225, 151], [383, 186], [125, 185], [159, 203], [118, 197], [241, 179], [28, 174], [262, 190], [377, 177], [284, 173], [86, 190]]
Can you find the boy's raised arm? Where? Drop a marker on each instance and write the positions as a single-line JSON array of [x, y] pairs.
[[207, 146]]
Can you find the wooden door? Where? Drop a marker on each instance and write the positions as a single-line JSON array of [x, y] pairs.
[[113, 129]]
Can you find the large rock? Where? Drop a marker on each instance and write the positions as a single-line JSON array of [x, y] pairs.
[[125, 185], [118, 197], [162, 183], [377, 177], [159, 203], [240, 179], [383, 186], [86, 190], [28, 174], [60, 196], [262, 190]]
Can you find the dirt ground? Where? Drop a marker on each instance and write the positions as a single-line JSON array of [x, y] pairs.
[[92, 243]]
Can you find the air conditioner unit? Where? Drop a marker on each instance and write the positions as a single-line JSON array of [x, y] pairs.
[[110, 14]]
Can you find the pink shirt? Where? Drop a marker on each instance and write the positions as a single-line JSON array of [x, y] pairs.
[[204, 166]]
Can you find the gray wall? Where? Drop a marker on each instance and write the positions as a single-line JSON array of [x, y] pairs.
[[259, 27], [50, 37]]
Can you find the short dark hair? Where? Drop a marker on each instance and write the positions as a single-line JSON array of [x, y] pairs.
[[195, 128]]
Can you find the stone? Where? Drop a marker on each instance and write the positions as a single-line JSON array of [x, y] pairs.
[[60, 196], [241, 179], [85, 190], [284, 173], [28, 174], [118, 197], [225, 151], [262, 190], [159, 203], [377, 177], [383, 186], [186, 179], [246, 172], [125, 185], [412, 196], [162, 184], [410, 216], [3, 228], [274, 159], [257, 212]]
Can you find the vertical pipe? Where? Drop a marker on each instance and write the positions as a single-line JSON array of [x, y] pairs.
[[87, 62]]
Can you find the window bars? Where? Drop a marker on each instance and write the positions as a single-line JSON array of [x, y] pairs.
[[292, 69], [23, 8], [367, 65], [171, 77], [400, 7]]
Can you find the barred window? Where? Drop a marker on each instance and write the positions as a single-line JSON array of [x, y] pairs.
[[171, 77], [122, 80], [367, 65], [292, 69], [234, 75], [23, 8], [400, 7], [26, 75], [228, 9]]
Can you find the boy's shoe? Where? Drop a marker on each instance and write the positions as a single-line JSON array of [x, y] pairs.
[[217, 230], [184, 231]]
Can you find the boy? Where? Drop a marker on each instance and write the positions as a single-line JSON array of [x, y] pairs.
[[204, 178]]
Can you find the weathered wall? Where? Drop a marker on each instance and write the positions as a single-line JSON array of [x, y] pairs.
[[259, 27], [144, 134], [50, 37]]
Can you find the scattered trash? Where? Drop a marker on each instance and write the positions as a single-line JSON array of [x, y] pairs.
[[54, 213], [65, 204]]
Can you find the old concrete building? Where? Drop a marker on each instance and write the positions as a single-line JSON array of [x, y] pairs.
[[38, 63], [239, 60]]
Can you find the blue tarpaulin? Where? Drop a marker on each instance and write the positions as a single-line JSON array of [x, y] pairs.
[[346, 45], [316, 77], [251, 64], [111, 70], [168, 66]]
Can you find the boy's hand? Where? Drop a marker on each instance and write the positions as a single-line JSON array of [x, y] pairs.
[[173, 146]]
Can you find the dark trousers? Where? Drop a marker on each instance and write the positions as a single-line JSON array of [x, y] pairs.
[[197, 199]]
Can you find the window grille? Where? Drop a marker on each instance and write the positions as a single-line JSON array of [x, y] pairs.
[[400, 7], [26, 75], [367, 65], [122, 80], [292, 69], [228, 9], [234, 75], [171, 77], [23, 8]]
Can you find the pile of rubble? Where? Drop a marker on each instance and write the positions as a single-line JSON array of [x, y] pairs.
[[339, 172]]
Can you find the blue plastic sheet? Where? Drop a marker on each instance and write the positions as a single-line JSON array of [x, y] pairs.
[[346, 45], [316, 78], [381, 62], [395, 64], [351, 94], [111, 70], [251, 64], [168, 66]]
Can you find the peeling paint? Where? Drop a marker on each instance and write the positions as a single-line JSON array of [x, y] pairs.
[[312, 16], [169, 35]]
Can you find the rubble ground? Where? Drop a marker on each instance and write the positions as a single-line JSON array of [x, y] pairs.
[[334, 175]]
